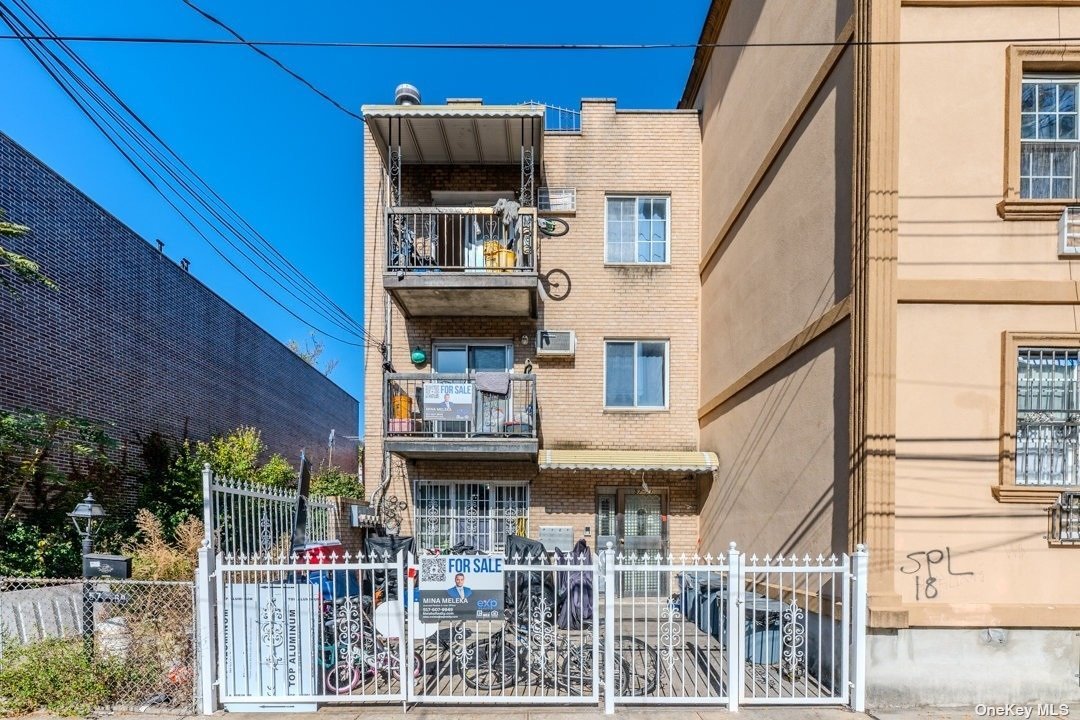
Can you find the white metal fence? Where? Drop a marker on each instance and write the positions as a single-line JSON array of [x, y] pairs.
[[246, 518], [664, 631]]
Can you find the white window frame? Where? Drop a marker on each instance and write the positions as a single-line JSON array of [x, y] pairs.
[[667, 375], [1074, 177], [497, 529], [667, 228], [466, 343]]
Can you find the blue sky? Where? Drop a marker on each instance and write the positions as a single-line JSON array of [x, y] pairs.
[[286, 159]]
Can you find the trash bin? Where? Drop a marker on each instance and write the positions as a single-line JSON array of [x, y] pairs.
[[763, 617]]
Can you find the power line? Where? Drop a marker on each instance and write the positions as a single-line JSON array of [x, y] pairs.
[[128, 133], [96, 118], [150, 40], [274, 60]]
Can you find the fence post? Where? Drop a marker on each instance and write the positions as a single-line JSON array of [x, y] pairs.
[[204, 623], [860, 561], [404, 642], [208, 503], [609, 630], [734, 623]]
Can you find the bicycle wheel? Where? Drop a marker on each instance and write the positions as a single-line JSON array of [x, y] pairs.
[[640, 663], [492, 664], [342, 678], [553, 227], [576, 671]]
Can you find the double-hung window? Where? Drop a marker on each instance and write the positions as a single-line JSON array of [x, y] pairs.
[[635, 374], [1047, 416], [637, 230], [1049, 139]]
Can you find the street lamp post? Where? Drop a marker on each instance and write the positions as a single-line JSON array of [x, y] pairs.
[[86, 517]]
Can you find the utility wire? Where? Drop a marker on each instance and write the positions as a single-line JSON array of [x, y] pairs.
[[157, 156], [149, 40], [274, 60], [53, 65]]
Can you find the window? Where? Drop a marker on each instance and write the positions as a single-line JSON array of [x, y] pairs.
[[1047, 416], [637, 230], [1048, 137], [1040, 421], [477, 514], [635, 374], [1042, 137]]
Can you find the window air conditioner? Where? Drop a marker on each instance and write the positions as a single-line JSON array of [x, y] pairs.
[[555, 343], [1069, 231]]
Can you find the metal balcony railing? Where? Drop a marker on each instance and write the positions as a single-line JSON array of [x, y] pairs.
[[456, 406], [460, 239]]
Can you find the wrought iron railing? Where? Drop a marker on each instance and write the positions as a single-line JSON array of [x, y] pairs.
[[559, 119], [460, 239], [460, 406]]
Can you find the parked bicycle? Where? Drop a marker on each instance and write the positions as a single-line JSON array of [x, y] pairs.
[[357, 654]]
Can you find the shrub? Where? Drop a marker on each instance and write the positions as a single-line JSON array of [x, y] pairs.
[[56, 675], [277, 473], [334, 481], [27, 550], [154, 557]]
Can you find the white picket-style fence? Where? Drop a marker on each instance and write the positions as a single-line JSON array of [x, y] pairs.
[[664, 630]]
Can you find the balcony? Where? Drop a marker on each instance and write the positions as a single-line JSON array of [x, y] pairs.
[[453, 261], [480, 416]]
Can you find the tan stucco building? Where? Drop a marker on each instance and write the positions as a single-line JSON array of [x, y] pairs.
[[889, 320]]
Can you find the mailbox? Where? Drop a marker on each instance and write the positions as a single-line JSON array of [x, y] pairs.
[[97, 565]]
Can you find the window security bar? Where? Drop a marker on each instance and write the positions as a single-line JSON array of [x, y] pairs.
[[1064, 519]]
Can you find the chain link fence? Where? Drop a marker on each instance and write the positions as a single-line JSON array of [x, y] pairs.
[[120, 644]]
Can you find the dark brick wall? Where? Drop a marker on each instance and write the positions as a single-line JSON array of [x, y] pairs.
[[132, 340]]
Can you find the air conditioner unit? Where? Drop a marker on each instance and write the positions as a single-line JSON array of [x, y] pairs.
[[1069, 231], [556, 343]]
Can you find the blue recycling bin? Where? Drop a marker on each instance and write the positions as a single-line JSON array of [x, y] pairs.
[[763, 629]]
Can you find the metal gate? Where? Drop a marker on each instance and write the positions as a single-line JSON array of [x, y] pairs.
[[545, 650], [663, 631], [327, 631]]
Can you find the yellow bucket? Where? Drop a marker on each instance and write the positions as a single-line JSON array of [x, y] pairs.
[[402, 406], [496, 256]]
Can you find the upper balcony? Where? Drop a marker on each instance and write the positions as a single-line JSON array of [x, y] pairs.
[[461, 416], [461, 261], [448, 252]]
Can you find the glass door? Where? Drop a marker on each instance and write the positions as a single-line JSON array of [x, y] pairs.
[[468, 358], [641, 528]]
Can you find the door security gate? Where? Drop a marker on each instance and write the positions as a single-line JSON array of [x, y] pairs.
[[665, 630]]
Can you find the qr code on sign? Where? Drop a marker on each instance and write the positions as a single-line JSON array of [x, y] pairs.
[[433, 569]]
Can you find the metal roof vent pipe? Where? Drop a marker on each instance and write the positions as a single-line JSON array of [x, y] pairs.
[[406, 94]]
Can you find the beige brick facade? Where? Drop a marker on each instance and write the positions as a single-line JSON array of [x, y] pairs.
[[615, 153]]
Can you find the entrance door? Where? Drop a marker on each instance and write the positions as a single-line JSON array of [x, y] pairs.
[[635, 522]]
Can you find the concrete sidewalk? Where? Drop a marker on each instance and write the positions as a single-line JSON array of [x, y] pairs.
[[443, 712]]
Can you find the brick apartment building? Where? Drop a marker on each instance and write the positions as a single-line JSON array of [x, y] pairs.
[[132, 340], [543, 386]]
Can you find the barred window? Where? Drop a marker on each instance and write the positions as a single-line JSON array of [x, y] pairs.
[[1047, 417], [1049, 140], [476, 514]]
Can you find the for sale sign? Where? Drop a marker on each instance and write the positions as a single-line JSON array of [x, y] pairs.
[[461, 587], [448, 400]]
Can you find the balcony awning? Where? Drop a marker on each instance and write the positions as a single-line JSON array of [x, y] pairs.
[[660, 460], [457, 134]]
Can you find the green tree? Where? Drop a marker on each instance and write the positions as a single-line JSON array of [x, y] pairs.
[[23, 268], [310, 352]]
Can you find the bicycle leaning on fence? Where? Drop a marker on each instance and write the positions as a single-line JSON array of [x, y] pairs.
[[546, 640]]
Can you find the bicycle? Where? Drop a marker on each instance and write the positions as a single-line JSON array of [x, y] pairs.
[[552, 227], [357, 654]]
